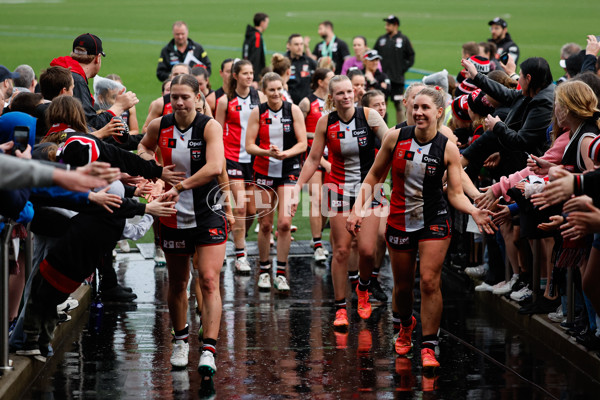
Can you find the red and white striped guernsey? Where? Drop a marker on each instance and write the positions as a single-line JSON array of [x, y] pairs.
[[167, 106], [236, 122], [187, 151], [277, 128], [417, 180], [351, 151], [315, 112]]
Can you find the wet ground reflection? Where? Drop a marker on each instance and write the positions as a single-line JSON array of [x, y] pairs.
[[274, 346]]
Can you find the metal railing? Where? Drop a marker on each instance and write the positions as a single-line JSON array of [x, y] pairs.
[[5, 361]]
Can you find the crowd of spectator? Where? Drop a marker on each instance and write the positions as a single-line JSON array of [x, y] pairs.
[[528, 142]]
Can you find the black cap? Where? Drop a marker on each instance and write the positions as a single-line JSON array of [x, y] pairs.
[[91, 43], [6, 74], [392, 19], [372, 55], [498, 21]]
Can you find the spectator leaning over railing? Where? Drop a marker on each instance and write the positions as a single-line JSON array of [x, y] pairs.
[[524, 129]]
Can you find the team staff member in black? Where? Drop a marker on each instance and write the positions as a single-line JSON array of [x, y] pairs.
[[181, 49], [376, 79], [303, 68], [253, 48], [501, 38], [331, 46], [397, 57]]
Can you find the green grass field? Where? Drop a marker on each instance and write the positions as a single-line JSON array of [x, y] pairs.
[[133, 32]]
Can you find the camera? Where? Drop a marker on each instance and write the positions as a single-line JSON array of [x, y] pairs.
[[20, 138], [503, 58]]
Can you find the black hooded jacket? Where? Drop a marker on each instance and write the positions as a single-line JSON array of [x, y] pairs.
[[253, 50], [523, 130]]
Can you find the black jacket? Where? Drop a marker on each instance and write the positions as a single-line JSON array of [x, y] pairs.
[[170, 56], [82, 92], [397, 55], [591, 186], [380, 77], [83, 148], [589, 63], [523, 130], [253, 50], [507, 45], [301, 74]]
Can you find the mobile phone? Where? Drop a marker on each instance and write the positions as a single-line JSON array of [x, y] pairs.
[[532, 159], [598, 38], [21, 138], [503, 58]]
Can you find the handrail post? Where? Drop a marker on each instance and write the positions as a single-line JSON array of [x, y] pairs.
[[5, 363]]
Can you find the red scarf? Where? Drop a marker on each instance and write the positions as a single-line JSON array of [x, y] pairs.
[[59, 128]]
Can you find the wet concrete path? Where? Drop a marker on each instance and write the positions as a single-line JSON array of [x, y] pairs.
[[280, 347]]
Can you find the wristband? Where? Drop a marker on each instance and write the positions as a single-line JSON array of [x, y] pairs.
[[577, 185], [515, 76], [179, 187]]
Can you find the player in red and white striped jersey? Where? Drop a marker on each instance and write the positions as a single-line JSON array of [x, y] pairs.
[[349, 133], [313, 108], [213, 98], [233, 112], [276, 137], [419, 157], [193, 143], [162, 105]]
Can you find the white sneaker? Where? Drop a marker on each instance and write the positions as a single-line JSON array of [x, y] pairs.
[[68, 305], [506, 287], [207, 365], [63, 317], [477, 272], [557, 316], [159, 256], [281, 283], [242, 265], [320, 255], [181, 351], [521, 294], [257, 228], [484, 287], [124, 246], [264, 281]]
